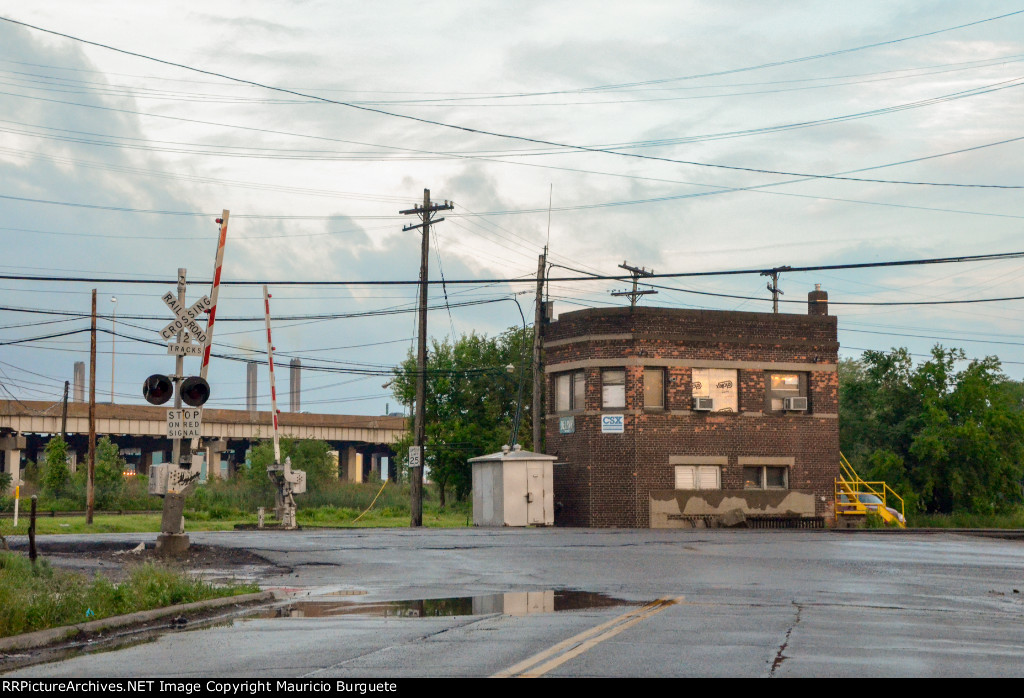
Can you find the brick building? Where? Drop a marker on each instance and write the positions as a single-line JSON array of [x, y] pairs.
[[664, 417]]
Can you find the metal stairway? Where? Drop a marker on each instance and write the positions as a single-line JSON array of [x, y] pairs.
[[857, 497]]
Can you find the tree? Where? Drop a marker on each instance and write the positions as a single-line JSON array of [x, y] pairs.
[[950, 440], [109, 474], [472, 402], [57, 476]]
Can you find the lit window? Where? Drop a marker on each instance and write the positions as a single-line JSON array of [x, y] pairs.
[[613, 389], [654, 388], [698, 477], [780, 386], [765, 477]]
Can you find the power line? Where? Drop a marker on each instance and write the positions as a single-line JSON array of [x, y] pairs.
[[555, 144], [591, 277]]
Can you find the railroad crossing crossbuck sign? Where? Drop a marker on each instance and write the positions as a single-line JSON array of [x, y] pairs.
[[185, 321]]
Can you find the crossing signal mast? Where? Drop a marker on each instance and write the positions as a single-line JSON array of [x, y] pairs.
[[174, 480], [288, 482]]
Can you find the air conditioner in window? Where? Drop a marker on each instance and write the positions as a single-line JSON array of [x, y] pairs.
[[703, 404], [796, 404]]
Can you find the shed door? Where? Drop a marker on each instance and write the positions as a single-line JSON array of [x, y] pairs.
[[535, 494]]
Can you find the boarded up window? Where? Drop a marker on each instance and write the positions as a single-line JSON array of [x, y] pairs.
[[719, 384], [698, 477]]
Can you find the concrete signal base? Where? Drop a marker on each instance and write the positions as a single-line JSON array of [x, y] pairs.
[[172, 545]]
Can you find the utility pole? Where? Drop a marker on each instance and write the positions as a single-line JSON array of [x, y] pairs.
[[774, 285], [636, 273], [113, 346], [419, 420], [64, 413], [538, 328], [90, 493]]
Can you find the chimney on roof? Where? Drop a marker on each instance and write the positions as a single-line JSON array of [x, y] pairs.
[[817, 301]]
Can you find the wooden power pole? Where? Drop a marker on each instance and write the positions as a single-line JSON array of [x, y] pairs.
[[538, 328], [774, 285], [636, 273], [419, 420], [90, 493]]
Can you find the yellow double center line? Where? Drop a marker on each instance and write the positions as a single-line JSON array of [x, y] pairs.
[[543, 662]]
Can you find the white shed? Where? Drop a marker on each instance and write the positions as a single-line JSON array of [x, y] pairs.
[[513, 488]]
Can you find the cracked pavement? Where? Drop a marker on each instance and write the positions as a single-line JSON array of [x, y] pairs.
[[748, 603]]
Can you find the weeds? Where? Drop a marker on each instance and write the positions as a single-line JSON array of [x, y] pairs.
[[34, 597]]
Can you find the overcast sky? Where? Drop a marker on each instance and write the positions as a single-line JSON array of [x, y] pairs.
[[709, 117]]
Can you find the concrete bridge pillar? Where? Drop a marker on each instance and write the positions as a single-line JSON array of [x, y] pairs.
[[12, 446], [352, 462], [214, 451]]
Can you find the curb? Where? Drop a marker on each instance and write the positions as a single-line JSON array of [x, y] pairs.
[[41, 638]]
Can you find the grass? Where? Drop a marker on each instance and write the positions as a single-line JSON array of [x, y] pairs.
[[220, 505], [456, 516], [35, 597], [963, 519]]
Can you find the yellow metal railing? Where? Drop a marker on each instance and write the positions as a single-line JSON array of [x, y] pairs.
[[849, 488]]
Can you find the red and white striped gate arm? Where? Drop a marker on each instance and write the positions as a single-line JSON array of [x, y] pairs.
[[273, 389], [214, 290]]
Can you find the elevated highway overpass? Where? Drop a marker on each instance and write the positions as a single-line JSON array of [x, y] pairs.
[[140, 432]]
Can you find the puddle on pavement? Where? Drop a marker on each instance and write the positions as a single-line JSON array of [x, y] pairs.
[[512, 604]]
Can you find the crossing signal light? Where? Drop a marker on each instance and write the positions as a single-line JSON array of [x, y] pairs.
[[195, 391], [157, 389]]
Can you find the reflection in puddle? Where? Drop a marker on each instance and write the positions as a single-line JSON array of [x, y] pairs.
[[512, 604]]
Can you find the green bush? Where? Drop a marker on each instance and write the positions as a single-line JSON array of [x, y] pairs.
[[30, 473], [57, 477]]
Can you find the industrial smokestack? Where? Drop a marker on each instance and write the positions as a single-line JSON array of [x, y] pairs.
[[79, 381], [294, 385], [250, 386]]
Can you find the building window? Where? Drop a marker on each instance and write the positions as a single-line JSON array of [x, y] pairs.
[[654, 388], [720, 385], [613, 389], [570, 390], [781, 385], [698, 477], [765, 477]]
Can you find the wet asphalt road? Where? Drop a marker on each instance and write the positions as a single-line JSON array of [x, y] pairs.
[[734, 603]]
